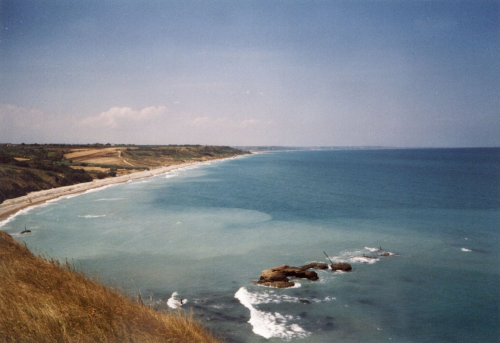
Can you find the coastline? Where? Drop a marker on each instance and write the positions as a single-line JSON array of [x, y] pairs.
[[11, 207]]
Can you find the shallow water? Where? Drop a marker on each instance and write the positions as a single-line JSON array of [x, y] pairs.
[[207, 232]]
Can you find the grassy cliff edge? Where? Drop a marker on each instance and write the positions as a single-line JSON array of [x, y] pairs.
[[42, 301]]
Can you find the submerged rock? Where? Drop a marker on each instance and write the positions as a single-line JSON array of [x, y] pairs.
[[345, 267]]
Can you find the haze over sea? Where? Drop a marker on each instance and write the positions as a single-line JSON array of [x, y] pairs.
[[207, 232]]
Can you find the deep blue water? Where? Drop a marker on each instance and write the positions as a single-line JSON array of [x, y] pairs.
[[207, 232]]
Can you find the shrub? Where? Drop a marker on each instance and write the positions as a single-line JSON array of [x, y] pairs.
[[5, 158], [101, 175], [77, 176]]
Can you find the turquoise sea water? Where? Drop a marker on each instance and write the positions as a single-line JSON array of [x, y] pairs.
[[207, 232]]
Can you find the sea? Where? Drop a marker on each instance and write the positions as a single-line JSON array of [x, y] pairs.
[[204, 234]]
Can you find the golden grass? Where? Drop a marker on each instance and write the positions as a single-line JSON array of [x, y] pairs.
[[41, 301], [99, 156]]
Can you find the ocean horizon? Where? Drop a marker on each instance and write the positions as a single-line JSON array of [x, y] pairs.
[[204, 233]]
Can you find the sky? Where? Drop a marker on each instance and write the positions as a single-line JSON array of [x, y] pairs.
[[292, 73]]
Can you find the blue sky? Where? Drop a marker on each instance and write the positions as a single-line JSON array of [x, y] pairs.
[[336, 73]]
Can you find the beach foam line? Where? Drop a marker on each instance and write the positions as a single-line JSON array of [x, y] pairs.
[[267, 324], [97, 189], [24, 211]]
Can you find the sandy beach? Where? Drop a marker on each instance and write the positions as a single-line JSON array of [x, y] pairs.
[[11, 206]]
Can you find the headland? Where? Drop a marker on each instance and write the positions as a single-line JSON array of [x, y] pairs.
[[83, 168]]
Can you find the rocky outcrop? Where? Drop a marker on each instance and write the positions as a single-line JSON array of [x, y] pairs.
[[345, 267], [279, 276], [315, 265]]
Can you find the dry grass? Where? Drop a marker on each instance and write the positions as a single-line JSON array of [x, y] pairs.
[[40, 301], [100, 156]]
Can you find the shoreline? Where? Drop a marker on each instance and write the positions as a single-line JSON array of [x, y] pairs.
[[10, 207]]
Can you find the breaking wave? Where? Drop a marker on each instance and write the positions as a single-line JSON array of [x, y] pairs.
[[269, 324], [93, 216], [175, 301]]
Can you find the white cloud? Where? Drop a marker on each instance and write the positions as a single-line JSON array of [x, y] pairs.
[[116, 115]]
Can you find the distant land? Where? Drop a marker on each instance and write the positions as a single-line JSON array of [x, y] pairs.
[[26, 168], [262, 148]]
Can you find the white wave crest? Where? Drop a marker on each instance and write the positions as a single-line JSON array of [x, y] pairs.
[[99, 188], [325, 299], [108, 199], [175, 302], [51, 201], [267, 324], [358, 256], [363, 259], [93, 216], [466, 250]]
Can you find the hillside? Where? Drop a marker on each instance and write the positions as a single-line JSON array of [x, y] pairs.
[[42, 301], [27, 168]]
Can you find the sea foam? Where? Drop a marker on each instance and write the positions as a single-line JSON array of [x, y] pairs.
[[175, 301], [108, 199], [363, 259], [268, 324]]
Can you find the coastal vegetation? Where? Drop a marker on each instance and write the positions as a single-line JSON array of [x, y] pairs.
[[43, 300], [26, 168]]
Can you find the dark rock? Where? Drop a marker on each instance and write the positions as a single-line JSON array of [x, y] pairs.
[[278, 276], [345, 267], [315, 265], [328, 327]]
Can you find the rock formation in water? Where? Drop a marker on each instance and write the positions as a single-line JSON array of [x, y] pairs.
[[315, 265], [342, 266], [279, 276]]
